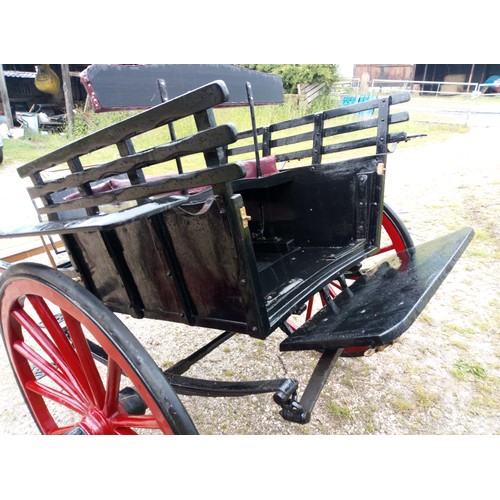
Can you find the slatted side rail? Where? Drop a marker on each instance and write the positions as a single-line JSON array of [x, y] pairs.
[[287, 142], [210, 141], [205, 140]]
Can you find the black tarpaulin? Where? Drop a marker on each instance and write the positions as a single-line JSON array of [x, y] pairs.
[[114, 87]]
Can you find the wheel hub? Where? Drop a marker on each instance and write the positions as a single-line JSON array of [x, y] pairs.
[[95, 422]]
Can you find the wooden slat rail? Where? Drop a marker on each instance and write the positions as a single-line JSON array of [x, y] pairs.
[[200, 142], [185, 105], [210, 141], [179, 182], [313, 139]]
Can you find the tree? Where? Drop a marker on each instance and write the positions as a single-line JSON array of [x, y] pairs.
[[293, 74]]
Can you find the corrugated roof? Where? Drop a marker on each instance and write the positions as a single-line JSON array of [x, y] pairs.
[[19, 74]]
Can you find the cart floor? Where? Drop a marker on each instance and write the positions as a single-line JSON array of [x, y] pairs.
[[298, 271]]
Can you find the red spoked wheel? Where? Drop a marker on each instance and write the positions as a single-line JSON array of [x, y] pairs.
[[76, 363], [395, 238]]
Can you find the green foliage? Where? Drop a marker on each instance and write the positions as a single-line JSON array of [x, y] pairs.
[[87, 122], [293, 74], [464, 369]]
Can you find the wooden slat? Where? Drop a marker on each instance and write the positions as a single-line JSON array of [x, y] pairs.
[[96, 222], [362, 143], [289, 140], [363, 125], [198, 178], [203, 141], [185, 105]]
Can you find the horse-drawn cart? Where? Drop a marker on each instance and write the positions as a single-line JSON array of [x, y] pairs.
[[277, 217]]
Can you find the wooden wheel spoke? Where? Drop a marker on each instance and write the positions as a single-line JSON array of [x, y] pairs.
[[42, 364], [136, 421], [112, 388], [387, 248], [51, 324], [56, 396], [62, 342], [60, 351], [40, 337], [86, 360]]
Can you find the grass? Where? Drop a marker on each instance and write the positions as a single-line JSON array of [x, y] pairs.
[[339, 411], [401, 404], [32, 146], [424, 399], [464, 369]]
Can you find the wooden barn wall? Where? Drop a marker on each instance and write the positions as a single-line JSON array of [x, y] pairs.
[[385, 71]]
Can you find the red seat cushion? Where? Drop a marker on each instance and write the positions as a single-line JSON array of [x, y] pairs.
[[267, 166]]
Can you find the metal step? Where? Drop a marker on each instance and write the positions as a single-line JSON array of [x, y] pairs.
[[384, 303]]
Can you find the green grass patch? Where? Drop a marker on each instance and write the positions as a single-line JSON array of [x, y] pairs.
[[459, 344], [468, 370], [401, 404], [461, 329], [31, 146], [424, 399], [339, 411]]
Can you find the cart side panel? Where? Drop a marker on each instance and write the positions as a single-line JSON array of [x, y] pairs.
[[190, 265], [328, 205], [97, 269], [151, 272], [207, 256]]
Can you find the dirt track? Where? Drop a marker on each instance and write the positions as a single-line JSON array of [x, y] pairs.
[[443, 378]]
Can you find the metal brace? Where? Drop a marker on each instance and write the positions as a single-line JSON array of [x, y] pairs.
[[300, 412]]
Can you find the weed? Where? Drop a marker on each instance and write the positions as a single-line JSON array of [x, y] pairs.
[[485, 405], [339, 411], [401, 404], [424, 399], [459, 344], [427, 319], [461, 329], [465, 370]]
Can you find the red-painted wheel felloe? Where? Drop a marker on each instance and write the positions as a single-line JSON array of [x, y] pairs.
[[76, 364]]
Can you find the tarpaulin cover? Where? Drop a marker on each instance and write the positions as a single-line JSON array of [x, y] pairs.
[[135, 86]]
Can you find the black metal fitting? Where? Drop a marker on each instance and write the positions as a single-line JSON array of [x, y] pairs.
[[294, 412], [132, 402], [286, 392]]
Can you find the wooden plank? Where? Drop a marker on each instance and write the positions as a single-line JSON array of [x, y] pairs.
[[198, 178], [362, 143], [68, 97], [203, 141], [32, 251], [327, 132], [364, 125], [185, 105]]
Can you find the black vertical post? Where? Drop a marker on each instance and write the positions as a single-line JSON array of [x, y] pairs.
[[254, 129], [164, 98]]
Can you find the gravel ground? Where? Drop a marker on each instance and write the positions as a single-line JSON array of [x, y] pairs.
[[442, 378]]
